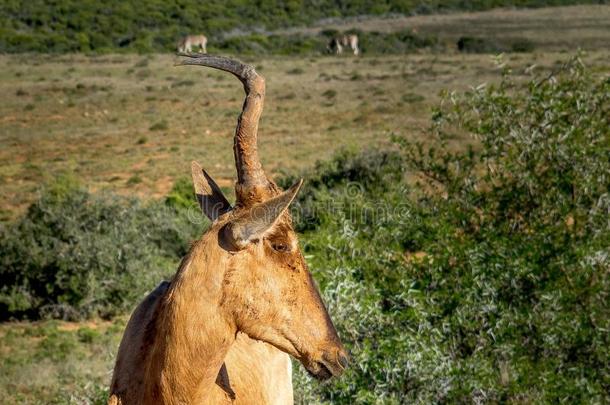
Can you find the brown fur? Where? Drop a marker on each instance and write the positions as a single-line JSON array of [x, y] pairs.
[[246, 274], [258, 373], [253, 371], [178, 339]]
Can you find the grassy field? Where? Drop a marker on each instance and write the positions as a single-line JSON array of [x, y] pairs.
[[132, 124], [56, 362]]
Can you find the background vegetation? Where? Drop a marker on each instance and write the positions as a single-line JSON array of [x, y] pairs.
[[76, 255], [490, 283], [111, 26], [454, 276]]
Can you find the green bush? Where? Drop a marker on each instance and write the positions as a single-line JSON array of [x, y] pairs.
[[357, 174], [76, 255], [521, 45], [477, 45], [404, 41], [494, 45], [159, 126], [488, 280], [295, 44], [182, 195]]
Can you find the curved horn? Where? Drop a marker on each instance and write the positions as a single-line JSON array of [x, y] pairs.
[[249, 169]]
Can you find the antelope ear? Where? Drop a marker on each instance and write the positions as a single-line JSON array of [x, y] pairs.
[[211, 200], [260, 218]]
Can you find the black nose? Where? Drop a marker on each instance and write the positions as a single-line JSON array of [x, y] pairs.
[[343, 360]]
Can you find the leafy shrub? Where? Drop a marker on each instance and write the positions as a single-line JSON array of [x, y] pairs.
[[133, 180], [329, 33], [490, 284], [494, 45], [348, 172], [182, 195], [183, 83], [476, 45], [521, 45], [75, 254], [412, 98], [294, 44], [330, 93], [404, 41], [159, 126]]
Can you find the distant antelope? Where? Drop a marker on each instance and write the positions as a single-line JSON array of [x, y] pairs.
[[337, 44], [246, 274], [189, 42]]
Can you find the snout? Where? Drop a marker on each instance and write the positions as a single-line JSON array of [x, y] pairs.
[[330, 364]]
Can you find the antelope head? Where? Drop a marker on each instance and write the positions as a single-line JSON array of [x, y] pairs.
[[267, 288]]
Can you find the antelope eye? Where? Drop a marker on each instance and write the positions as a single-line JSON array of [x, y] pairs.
[[279, 247]]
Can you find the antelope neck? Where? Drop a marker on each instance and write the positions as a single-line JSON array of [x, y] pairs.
[[193, 334]]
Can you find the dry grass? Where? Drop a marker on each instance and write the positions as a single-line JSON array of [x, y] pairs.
[[56, 362], [132, 124]]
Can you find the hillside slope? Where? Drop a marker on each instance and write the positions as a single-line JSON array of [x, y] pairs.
[[87, 25]]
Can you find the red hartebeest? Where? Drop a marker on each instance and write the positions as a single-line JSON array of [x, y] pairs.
[[337, 44], [187, 43], [246, 275]]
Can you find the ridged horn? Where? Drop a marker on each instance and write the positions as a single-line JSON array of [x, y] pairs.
[[250, 174]]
